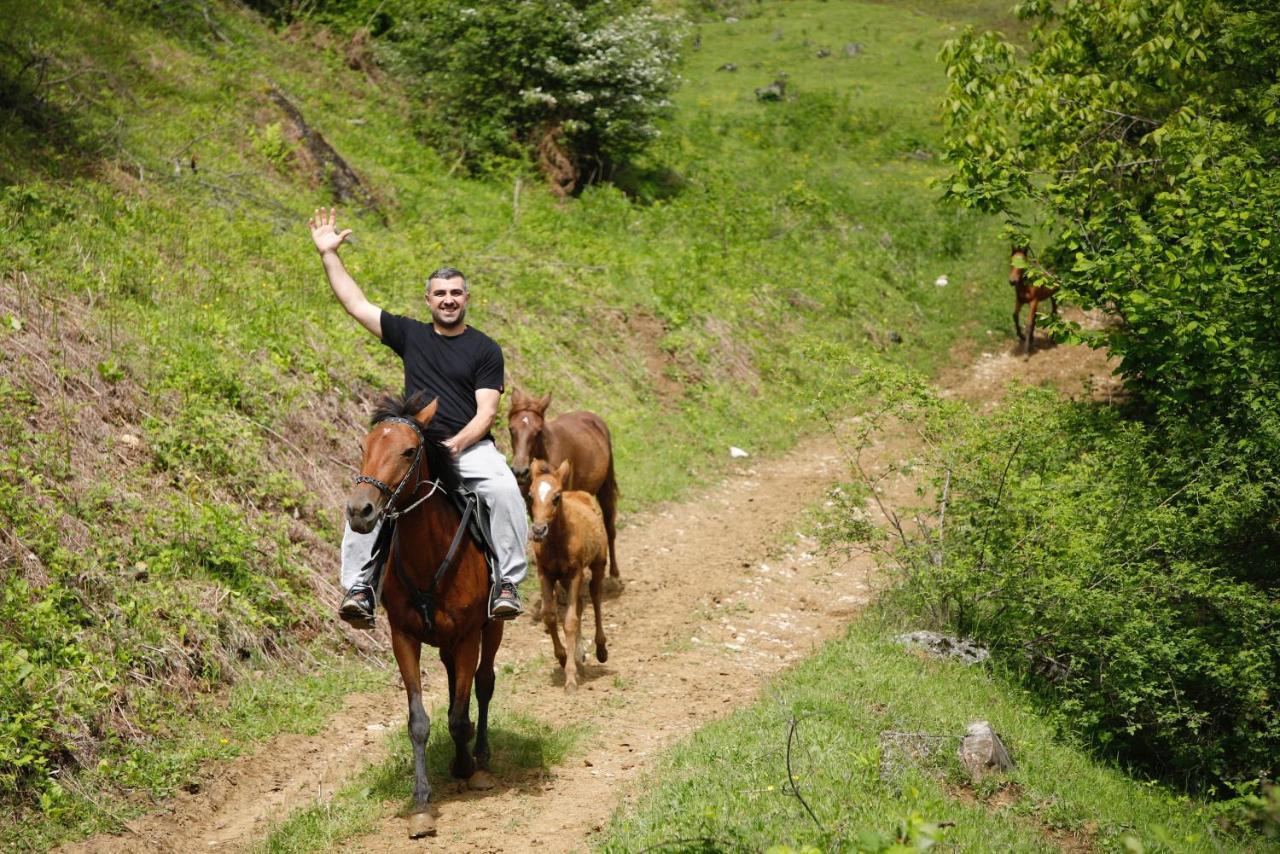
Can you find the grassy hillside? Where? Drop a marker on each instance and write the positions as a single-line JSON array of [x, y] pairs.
[[180, 396], [875, 730]]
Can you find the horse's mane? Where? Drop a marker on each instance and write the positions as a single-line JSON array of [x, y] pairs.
[[440, 462]]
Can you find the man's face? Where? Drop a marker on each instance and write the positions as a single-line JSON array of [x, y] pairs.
[[447, 299]]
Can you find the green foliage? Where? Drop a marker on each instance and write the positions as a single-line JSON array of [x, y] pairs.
[[509, 80], [1108, 563], [271, 144], [1136, 141]]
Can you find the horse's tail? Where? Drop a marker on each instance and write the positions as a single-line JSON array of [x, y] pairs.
[[608, 498]]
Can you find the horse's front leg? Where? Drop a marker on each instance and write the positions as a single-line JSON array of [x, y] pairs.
[[573, 630], [1031, 327], [408, 651], [466, 657], [549, 613], [489, 643]]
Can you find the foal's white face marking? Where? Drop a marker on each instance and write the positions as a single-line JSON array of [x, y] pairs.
[[525, 419], [544, 489]]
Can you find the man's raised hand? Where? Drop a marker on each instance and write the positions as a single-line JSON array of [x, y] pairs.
[[324, 232]]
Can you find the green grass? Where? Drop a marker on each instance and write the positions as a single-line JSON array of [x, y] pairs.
[[726, 788]]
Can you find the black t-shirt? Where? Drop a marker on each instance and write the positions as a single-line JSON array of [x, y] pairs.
[[450, 368]]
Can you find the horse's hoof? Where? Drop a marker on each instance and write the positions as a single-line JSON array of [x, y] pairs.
[[571, 687], [422, 824], [613, 585], [602, 653], [481, 781]]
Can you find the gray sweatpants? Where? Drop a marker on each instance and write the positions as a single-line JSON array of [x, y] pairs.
[[484, 470]]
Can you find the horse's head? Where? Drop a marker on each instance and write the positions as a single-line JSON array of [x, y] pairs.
[[1018, 263], [393, 460], [545, 487], [525, 419]]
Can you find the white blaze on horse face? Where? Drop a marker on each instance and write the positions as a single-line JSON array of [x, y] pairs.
[[524, 420], [544, 489]]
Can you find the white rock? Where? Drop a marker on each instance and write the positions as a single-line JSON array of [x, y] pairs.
[[941, 281], [737, 453], [982, 751]]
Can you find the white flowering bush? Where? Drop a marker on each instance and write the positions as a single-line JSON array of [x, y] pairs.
[[576, 86]]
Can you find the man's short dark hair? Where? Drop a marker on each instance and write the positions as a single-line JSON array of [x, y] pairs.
[[448, 273]]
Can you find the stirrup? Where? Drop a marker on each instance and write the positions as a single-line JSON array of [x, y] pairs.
[[511, 607], [358, 606]]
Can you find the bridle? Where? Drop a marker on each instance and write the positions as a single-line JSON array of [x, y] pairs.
[[388, 510]]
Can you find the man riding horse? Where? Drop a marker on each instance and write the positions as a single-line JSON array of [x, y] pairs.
[[462, 368]]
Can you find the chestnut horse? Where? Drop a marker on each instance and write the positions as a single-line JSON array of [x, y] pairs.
[[436, 587], [568, 539], [1027, 293], [580, 437]]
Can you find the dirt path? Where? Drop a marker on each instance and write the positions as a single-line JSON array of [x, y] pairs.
[[722, 593]]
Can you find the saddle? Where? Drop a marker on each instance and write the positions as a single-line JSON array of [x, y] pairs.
[[476, 517]]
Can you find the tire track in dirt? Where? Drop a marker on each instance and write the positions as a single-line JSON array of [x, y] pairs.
[[722, 593]]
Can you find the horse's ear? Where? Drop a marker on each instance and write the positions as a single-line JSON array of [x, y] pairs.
[[426, 413], [564, 473], [543, 403], [518, 398]]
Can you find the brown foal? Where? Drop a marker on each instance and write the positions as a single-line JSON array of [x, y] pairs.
[[568, 539], [1027, 293]]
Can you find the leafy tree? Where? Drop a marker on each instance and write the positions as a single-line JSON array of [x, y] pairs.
[[1138, 138], [578, 84]]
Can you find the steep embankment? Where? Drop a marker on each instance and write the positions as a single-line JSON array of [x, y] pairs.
[[180, 395]]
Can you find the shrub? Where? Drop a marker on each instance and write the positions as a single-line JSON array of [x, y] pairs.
[[576, 85], [1076, 545]]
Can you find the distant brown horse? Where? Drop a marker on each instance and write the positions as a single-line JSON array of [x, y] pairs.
[[568, 539], [1027, 293], [436, 588], [580, 437]]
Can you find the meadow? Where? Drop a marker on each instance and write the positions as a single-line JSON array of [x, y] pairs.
[[181, 394]]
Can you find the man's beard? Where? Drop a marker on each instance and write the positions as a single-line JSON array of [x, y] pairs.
[[439, 321]]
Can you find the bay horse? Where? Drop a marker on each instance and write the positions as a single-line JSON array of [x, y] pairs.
[[1027, 293], [436, 585], [568, 539], [580, 437]]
